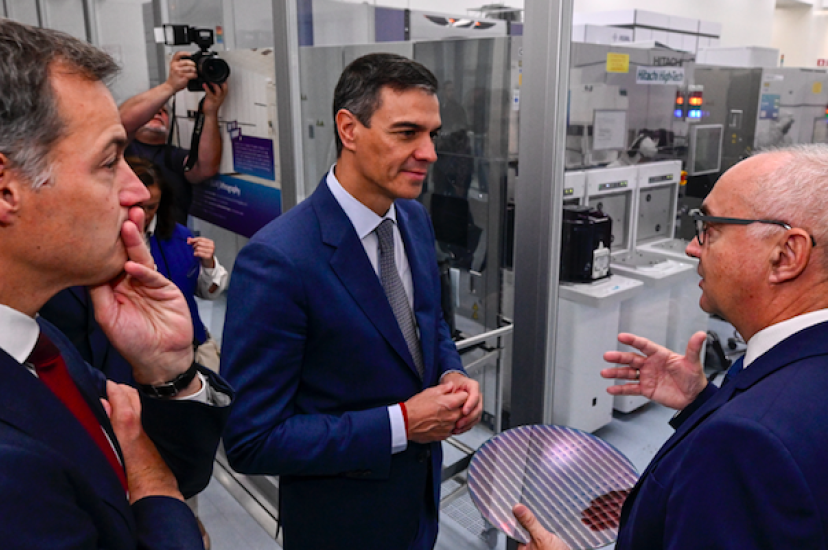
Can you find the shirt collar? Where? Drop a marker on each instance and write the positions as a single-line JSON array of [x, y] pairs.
[[150, 231], [18, 333], [362, 218], [768, 337]]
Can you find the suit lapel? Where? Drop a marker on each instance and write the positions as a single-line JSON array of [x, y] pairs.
[[420, 254], [351, 265], [28, 405]]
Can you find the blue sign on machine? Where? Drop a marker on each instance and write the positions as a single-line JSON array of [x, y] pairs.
[[769, 107]]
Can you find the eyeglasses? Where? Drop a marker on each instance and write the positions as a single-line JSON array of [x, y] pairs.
[[702, 222]]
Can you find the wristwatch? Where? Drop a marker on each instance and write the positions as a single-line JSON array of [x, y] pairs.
[[174, 386]]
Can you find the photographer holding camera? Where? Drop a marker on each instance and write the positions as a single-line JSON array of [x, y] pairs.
[[147, 121]]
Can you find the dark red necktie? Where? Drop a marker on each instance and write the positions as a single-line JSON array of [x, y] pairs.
[[51, 369]]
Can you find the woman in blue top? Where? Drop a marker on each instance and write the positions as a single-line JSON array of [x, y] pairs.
[[186, 260]]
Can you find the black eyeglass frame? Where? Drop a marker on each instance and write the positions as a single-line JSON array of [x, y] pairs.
[[699, 219]]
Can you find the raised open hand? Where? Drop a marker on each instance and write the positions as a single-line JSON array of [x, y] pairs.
[[657, 373]]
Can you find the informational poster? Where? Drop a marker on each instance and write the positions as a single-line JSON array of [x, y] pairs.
[[252, 155], [609, 129], [246, 195], [237, 204]]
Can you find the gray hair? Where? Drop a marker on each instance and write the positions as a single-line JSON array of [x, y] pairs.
[[30, 123], [793, 192]]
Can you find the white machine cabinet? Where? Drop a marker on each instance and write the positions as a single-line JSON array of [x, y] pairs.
[[588, 320]]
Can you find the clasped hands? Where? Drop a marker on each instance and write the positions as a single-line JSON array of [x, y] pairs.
[[450, 408]]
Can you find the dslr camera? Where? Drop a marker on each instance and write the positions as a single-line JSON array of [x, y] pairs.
[[209, 68]]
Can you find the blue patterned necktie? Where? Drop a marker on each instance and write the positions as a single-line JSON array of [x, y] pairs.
[[395, 292], [734, 369]]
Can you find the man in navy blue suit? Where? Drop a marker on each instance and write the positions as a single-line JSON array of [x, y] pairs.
[[746, 465], [86, 463], [346, 373]]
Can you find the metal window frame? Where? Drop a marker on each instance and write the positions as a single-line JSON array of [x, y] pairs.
[[539, 204]]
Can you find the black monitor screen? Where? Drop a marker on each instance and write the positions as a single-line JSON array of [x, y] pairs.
[[450, 216]]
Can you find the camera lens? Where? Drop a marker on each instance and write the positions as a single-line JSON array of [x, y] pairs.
[[213, 70]]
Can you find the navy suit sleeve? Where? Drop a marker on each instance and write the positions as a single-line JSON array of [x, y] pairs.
[[764, 501], [165, 523], [448, 359], [187, 434], [266, 332], [47, 504]]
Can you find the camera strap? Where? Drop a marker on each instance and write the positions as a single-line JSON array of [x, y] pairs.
[[169, 145], [194, 141]]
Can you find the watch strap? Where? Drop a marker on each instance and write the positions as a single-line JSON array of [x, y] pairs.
[[174, 386]]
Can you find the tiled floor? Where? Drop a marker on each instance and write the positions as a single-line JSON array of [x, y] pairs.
[[229, 525]]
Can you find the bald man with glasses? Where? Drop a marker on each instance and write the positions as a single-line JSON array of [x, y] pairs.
[[746, 467], [702, 221]]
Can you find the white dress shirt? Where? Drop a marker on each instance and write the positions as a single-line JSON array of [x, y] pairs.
[[365, 221], [18, 333], [768, 337]]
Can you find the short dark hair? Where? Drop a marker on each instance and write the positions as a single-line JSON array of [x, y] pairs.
[[358, 89], [150, 175], [30, 123]]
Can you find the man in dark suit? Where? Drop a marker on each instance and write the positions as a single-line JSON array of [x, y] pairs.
[[334, 336], [746, 465], [86, 463]]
